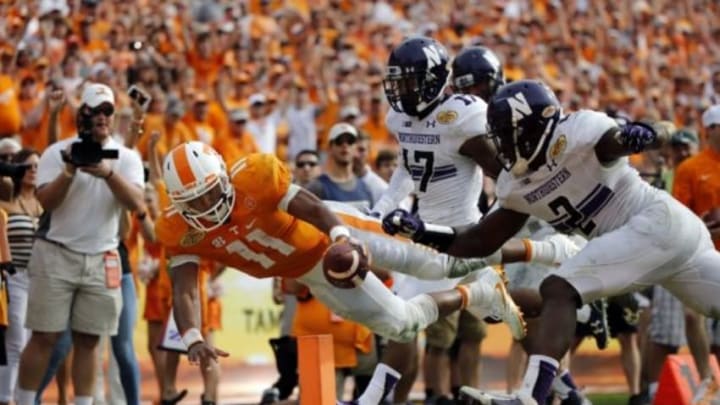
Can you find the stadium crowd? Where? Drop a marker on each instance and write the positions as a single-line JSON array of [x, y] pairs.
[[279, 76]]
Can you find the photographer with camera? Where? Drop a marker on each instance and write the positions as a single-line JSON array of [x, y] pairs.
[[75, 272]]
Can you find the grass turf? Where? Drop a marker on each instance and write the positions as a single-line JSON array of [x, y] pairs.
[[608, 399]]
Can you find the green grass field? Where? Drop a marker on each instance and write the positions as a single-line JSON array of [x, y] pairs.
[[608, 399]]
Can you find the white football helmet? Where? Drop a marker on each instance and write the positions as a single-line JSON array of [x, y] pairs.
[[198, 185]]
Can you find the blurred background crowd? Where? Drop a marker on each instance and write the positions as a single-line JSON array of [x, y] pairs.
[[275, 76]]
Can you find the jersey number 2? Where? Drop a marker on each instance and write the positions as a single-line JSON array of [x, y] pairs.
[[421, 157], [572, 218]]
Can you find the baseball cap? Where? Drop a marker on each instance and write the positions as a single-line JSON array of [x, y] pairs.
[[238, 114], [684, 137], [257, 98], [349, 111], [50, 6], [711, 116], [340, 129], [175, 106], [95, 94]]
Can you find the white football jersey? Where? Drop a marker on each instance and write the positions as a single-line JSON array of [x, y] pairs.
[[574, 192], [447, 184]]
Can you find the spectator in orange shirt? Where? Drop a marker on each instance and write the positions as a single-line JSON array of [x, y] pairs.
[[10, 114], [697, 179], [198, 119], [236, 142]]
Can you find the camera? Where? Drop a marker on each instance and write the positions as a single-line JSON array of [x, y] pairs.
[[142, 98], [87, 152]]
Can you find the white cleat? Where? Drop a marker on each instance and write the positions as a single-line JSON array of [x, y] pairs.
[[490, 298], [469, 395]]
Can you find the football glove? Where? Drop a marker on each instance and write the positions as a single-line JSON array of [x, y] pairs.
[[399, 221]]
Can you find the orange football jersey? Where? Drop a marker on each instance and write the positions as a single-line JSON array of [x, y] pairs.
[[259, 239]]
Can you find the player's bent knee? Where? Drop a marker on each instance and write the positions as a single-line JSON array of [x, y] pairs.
[[557, 288]]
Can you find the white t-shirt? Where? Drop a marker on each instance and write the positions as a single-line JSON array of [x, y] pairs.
[[303, 133], [87, 220]]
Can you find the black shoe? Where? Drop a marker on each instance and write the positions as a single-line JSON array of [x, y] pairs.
[[639, 399], [204, 401], [270, 396], [174, 400], [598, 323]]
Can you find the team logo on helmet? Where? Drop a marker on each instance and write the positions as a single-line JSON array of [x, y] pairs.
[[558, 147], [549, 111], [192, 237], [447, 116]]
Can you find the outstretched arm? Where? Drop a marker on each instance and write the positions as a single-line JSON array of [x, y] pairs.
[[632, 138], [186, 309], [306, 206], [487, 236]]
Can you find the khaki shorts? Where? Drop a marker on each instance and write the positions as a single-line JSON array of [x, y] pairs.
[[69, 285], [461, 325]]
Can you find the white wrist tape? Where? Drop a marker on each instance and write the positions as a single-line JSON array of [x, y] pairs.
[[338, 231], [192, 336], [542, 252]]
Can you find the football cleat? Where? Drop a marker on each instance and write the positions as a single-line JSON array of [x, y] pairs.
[[575, 398], [490, 298], [598, 323], [472, 396]]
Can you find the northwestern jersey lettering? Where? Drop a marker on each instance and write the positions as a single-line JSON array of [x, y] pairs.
[[576, 193], [447, 184]]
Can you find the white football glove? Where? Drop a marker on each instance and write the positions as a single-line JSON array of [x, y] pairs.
[[554, 250], [564, 247]]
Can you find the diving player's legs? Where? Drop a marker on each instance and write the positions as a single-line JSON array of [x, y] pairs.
[[373, 304]]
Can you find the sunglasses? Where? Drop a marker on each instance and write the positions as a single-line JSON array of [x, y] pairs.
[[106, 109], [304, 164], [5, 157]]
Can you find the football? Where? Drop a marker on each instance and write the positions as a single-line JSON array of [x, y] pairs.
[[345, 265]]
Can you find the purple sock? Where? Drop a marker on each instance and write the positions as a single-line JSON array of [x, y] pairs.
[[563, 384], [539, 377]]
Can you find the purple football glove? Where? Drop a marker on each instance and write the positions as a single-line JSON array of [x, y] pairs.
[[399, 221], [636, 136]]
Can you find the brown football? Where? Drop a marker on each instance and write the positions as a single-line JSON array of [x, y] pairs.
[[345, 265]]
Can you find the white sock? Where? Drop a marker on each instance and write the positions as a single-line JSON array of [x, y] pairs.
[[652, 389], [583, 314], [25, 397], [84, 400], [382, 382]]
